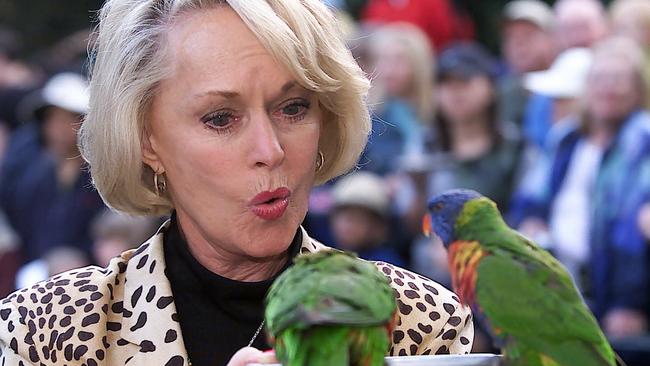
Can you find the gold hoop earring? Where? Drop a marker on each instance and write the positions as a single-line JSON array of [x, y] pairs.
[[320, 162], [160, 184]]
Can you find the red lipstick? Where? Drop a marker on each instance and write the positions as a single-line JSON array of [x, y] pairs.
[[271, 205]]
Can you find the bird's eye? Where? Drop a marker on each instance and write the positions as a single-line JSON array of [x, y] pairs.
[[438, 207]]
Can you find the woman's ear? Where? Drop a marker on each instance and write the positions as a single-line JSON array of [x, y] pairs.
[[148, 147]]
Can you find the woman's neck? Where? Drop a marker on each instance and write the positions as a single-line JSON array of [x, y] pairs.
[[234, 266], [470, 138]]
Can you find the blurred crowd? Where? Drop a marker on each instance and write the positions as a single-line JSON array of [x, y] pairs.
[[553, 127]]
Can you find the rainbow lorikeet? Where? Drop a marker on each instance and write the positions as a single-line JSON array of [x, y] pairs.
[[330, 309], [526, 295]]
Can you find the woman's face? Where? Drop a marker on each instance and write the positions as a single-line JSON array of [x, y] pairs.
[[634, 28], [393, 69], [612, 91], [461, 99], [231, 123], [60, 131]]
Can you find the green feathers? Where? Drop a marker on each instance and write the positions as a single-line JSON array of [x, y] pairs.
[[330, 308], [526, 295]]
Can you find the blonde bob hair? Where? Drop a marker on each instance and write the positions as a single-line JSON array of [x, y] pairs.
[[128, 62]]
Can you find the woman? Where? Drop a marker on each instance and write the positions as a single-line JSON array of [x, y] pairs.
[[631, 18], [472, 148], [482, 154], [402, 62], [593, 187], [224, 114]]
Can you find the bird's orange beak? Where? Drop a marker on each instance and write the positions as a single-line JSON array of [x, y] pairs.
[[426, 225]]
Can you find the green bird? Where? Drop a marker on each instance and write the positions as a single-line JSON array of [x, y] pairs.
[[330, 309], [528, 298]]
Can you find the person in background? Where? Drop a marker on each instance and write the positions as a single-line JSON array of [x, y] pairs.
[[57, 260], [114, 233], [631, 18], [401, 94], [223, 115], [439, 19], [580, 23], [596, 183], [481, 153], [360, 217], [44, 190], [553, 94], [564, 83], [10, 257], [643, 220], [9, 100], [471, 151], [17, 79], [15, 74], [527, 46], [70, 53]]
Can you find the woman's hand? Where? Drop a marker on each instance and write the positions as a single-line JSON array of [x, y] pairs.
[[249, 355]]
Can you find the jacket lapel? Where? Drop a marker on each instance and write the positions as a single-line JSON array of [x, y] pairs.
[[150, 322], [150, 329], [310, 245]]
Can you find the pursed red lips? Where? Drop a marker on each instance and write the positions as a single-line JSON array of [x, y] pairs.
[[271, 205]]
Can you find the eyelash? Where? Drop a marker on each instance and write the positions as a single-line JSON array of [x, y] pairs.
[[301, 103], [224, 129]]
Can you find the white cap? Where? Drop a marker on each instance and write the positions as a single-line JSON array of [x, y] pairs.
[[362, 189], [567, 76], [534, 11], [67, 90]]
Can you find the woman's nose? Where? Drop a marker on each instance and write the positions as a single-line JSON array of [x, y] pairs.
[[267, 149]]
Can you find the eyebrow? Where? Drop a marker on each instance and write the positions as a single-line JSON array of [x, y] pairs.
[[227, 94]]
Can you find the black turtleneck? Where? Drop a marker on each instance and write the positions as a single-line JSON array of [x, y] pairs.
[[217, 315]]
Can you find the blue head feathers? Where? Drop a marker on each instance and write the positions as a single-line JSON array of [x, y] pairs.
[[444, 210]]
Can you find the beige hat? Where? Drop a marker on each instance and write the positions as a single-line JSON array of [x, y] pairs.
[[534, 11], [362, 189]]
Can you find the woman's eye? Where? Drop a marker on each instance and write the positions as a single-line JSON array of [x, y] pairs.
[[219, 120], [294, 110]]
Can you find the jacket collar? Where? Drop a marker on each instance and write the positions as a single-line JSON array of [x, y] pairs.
[[146, 270]]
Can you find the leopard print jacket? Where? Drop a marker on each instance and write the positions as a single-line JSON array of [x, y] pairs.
[[124, 314]]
